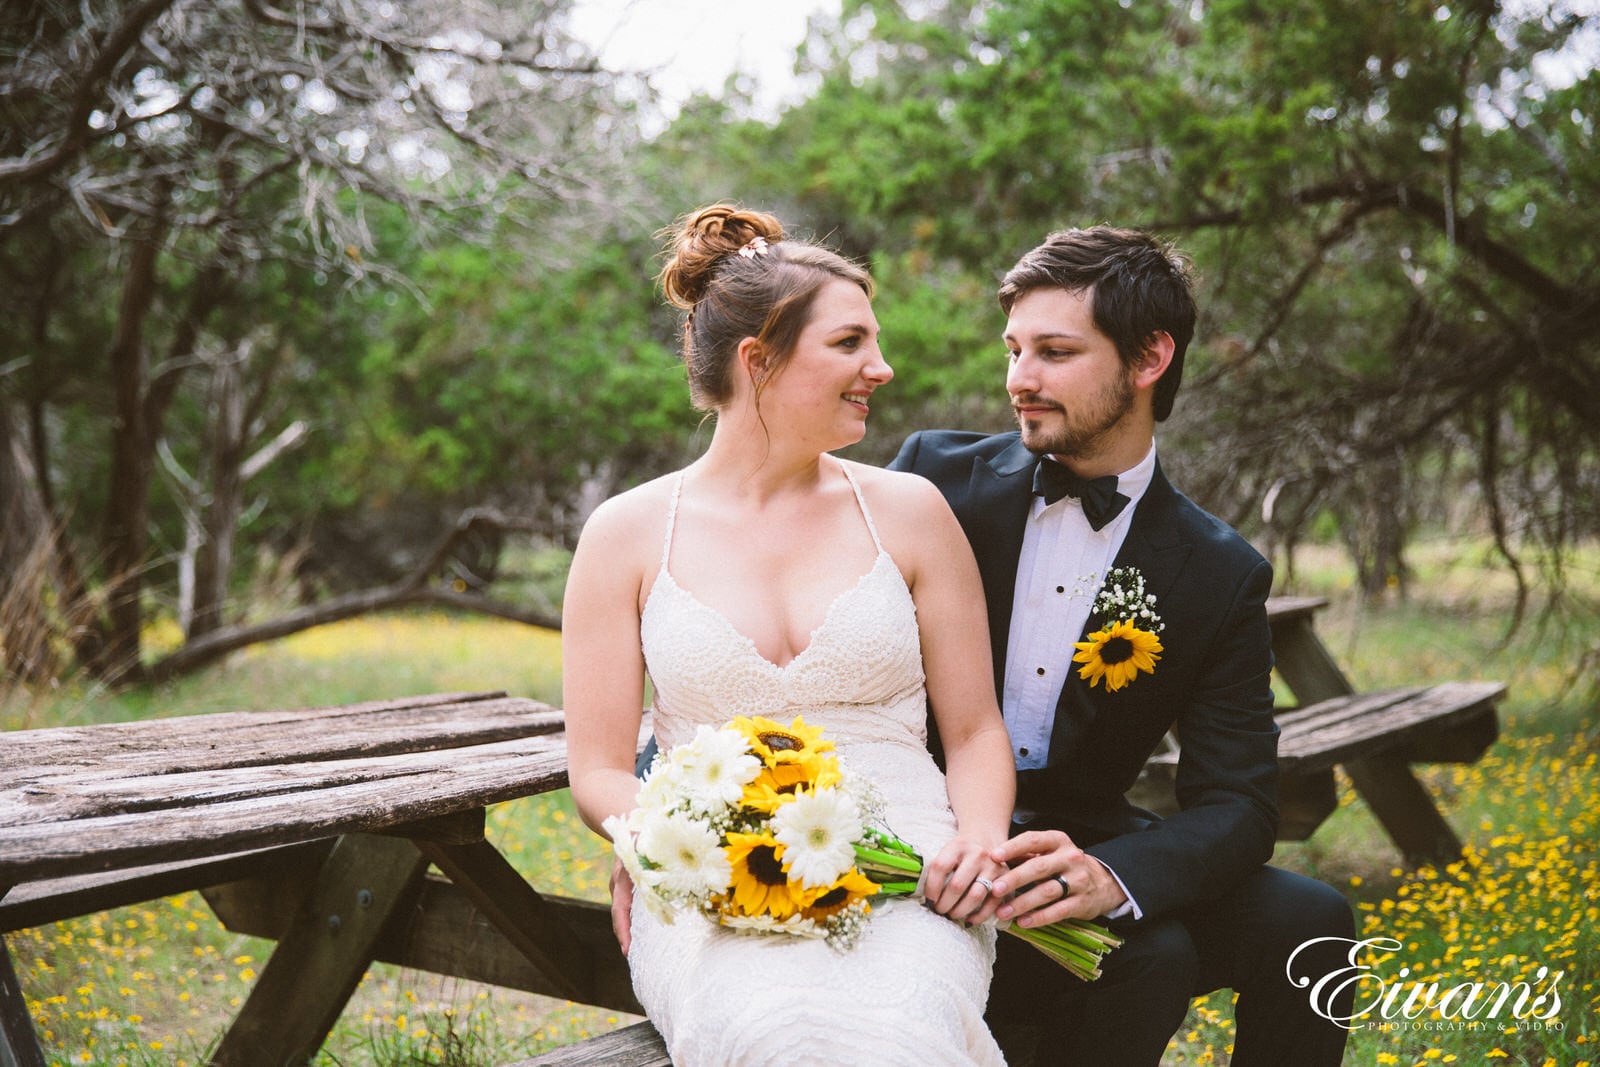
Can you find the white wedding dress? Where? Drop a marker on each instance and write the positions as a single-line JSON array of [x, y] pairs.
[[912, 991]]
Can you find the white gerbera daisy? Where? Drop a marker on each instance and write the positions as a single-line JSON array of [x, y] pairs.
[[687, 855], [818, 832], [717, 765], [663, 788], [622, 830]]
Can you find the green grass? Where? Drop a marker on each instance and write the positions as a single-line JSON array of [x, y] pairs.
[[155, 984]]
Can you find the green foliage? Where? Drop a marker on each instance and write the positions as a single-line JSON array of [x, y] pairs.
[[510, 380]]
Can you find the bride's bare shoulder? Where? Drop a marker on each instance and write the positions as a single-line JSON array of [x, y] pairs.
[[909, 495], [909, 511], [633, 513]]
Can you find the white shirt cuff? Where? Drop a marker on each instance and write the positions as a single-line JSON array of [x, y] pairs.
[[1127, 907]]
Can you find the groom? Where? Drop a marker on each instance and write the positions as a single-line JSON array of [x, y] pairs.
[[1098, 323]]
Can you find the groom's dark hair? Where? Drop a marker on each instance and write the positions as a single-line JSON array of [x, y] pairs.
[[1140, 287]]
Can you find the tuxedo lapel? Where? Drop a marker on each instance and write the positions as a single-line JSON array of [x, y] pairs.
[[994, 515], [1156, 544]]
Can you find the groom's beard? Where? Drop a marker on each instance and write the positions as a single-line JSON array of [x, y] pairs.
[[1083, 430]]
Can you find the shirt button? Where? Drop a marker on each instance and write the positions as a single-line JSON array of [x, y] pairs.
[[1061, 589], [1022, 751], [1038, 671]]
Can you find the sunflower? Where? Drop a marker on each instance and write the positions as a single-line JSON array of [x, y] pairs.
[[792, 754], [1117, 654], [851, 887], [760, 884]]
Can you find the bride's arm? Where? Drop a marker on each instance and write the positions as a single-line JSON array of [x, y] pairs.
[[602, 664], [602, 679], [943, 577]]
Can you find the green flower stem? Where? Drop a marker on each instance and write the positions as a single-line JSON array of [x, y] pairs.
[[897, 861], [1073, 943], [889, 842]]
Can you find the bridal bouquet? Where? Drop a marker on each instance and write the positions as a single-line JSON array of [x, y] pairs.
[[756, 827]]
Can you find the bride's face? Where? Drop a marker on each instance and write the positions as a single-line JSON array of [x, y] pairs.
[[823, 391]]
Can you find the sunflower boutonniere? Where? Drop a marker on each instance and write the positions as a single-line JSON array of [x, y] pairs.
[[1128, 642]]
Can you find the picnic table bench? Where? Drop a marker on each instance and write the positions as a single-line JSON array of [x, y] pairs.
[[1375, 737], [318, 828]]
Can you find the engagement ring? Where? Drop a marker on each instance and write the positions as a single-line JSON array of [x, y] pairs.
[[1066, 889], [987, 885]]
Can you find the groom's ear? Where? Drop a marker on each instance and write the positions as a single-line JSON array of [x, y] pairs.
[[1155, 356]]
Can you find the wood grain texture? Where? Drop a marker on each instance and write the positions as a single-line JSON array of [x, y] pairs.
[[632, 1046], [77, 800]]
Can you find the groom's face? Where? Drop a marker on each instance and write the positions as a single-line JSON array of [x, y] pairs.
[[1069, 388]]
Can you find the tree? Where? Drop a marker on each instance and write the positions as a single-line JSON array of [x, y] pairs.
[[1390, 205], [157, 158]]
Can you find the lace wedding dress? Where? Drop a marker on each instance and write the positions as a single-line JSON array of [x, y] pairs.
[[912, 991]]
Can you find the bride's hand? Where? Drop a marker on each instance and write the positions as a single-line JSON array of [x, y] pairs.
[[621, 905], [957, 883]]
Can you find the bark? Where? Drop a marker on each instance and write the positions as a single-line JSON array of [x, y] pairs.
[[132, 449], [27, 562], [224, 498]]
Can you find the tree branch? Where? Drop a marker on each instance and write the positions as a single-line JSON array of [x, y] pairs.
[[415, 588]]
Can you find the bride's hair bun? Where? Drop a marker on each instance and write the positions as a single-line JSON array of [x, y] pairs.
[[703, 240], [737, 277]]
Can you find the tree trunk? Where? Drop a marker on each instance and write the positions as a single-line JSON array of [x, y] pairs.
[[1376, 533], [132, 454], [223, 498], [27, 562]]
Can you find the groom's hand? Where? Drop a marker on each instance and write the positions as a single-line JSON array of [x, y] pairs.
[[1039, 860], [621, 905]]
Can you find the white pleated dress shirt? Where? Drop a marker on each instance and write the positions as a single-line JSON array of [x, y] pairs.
[[1062, 565]]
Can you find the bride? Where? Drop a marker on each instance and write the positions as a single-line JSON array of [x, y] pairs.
[[771, 578]]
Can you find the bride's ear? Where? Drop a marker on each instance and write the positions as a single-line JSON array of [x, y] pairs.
[[753, 362]]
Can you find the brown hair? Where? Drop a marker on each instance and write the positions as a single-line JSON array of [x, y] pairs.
[[1140, 287], [737, 276]]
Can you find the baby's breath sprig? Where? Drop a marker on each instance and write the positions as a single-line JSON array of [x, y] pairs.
[[1122, 598]]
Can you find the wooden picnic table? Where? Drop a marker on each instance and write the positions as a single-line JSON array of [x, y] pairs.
[[317, 828], [313, 827]]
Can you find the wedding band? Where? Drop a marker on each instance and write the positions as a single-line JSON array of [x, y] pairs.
[[987, 885], [1066, 888]]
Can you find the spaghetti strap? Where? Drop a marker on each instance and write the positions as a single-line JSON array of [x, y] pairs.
[[862, 501], [672, 519]]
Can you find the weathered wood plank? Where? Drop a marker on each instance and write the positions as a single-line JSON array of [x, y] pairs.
[[37, 903], [492, 773], [94, 735], [1336, 709], [63, 797], [447, 934], [196, 743], [1314, 744], [1289, 608], [638, 1045]]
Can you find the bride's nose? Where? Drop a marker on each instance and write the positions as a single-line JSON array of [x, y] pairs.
[[877, 369]]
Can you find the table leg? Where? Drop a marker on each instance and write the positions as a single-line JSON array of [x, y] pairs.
[[320, 960], [19, 1045], [1404, 808], [528, 920]]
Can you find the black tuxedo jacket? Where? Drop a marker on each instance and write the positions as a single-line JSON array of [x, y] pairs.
[[1211, 683]]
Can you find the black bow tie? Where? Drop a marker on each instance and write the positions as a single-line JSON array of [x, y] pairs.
[[1099, 497]]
